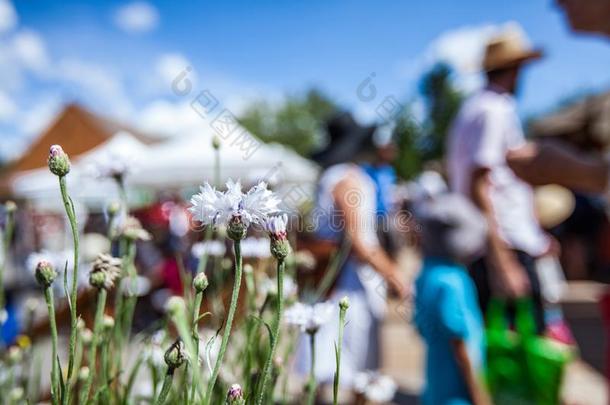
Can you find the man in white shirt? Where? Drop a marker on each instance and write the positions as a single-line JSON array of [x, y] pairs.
[[485, 129]]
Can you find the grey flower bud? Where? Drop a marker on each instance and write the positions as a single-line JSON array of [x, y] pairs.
[[344, 304], [200, 282], [45, 274], [174, 356], [58, 161], [237, 229], [280, 248]]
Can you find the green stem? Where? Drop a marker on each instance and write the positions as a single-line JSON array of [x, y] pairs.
[[250, 323], [48, 295], [276, 333], [8, 236], [167, 386], [97, 331], [312, 385], [70, 212], [338, 355], [217, 167], [196, 311], [229, 324]]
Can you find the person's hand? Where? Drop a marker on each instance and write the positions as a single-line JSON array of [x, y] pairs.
[[397, 284], [512, 280]]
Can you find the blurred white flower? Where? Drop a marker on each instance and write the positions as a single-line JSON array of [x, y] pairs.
[[374, 386], [57, 259], [111, 165], [135, 288], [255, 248], [268, 286], [213, 207], [211, 248], [309, 318]]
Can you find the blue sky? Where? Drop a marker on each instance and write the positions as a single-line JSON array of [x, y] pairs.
[[119, 58]]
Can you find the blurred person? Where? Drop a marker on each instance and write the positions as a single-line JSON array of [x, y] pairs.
[[555, 163], [383, 174], [485, 129], [346, 204], [447, 314]]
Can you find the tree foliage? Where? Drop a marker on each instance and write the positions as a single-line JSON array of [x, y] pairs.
[[295, 123]]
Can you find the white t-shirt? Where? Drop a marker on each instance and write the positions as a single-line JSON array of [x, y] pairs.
[[486, 127]]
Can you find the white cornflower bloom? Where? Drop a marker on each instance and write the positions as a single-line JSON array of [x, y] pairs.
[[212, 207], [309, 317], [211, 248], [375, 387], [276, 226]]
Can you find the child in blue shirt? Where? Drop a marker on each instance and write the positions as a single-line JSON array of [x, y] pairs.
[[447, 313]]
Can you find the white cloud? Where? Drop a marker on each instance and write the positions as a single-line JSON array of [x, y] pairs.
[[137, 17], [462, 48], [35, 119], [8, 16], [96, 84], [168, 118], [8, 108], [30, 50], [168, 66]]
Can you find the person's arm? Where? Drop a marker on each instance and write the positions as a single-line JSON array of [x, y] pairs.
[[551, 162], [476, 389], [348, 197], [512, 278]]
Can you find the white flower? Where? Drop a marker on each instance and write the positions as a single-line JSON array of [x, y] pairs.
[[211, 248], [255, 248], [309, 317], [268, 286], [376, 387], [276, 226], [111, 165], [212, 207]]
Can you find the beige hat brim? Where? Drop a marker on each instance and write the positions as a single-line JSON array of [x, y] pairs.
[[553, 204], [513, 60]]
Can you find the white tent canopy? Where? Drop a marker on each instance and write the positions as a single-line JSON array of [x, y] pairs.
[[182, 161], [41, 187], [189, 160]]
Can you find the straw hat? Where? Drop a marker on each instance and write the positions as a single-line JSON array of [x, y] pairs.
[[509, 48], [553, 204]]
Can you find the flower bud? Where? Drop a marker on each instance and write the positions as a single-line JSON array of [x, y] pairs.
[[15, 354], [10, 207], [45, 273], [237, 229], [235, 395], [16, 395], [174, 356], [86, 336], [175, 305], [108, 323], [83, 373], [58, 161], [280, 248], [200, 282], [216, 142], [344, 303], [113, 208], [248, 269]]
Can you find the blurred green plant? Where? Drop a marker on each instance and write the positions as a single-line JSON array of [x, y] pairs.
[[294, 123]]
